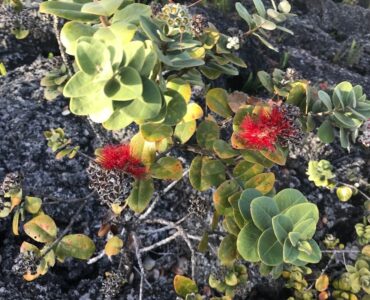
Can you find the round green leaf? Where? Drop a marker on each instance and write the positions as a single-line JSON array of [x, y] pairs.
[[217, 101], [247, 242], [78, 246], [155, 132], [326, 132], [185, 130], [142, 192], [282, 226], [245, 170], [269, 248], [245, 202], [290, 253], [127, 85], [41, 228], [224, 150], [167, 168], [227, 251], [148, 105], [263, 209], [301, 212], [32, 204], [315, 255], [262, 182], [222, 194], [71, 32], [82, 84], [184, 286], [344, 193], [208, 131], [176, 108], [288, 198]]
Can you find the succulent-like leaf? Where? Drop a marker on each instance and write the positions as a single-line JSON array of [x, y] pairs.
[[227, 252], [269, 248], [263, 209], [41, 228], [184, 285], [75, 245], [247, 242], [141, 194]]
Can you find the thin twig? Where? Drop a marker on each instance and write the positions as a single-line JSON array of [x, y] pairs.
[[195, 3], [61, 48], [96, 258], [140, 263], [160, 243], [57, 200], [323, 270], [181, 232], [165, 191]]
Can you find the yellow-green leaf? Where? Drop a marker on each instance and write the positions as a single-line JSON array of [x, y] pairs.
[[41, 228]]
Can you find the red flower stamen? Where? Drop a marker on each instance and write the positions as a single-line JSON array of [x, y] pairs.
[[263, 130], [120, 158]]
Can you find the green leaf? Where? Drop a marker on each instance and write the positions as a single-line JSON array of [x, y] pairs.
[[244, 14], [278, 156], [217, 101], [256, 157], [205, 173], [263, 209], [155, 132], [143, 149], [82, 84], [245, 170], [344, 138], [301, 212], [247, 242], [269, 248], [285, 7], [306, 228], [118, 120], [315, 255], [132, 13], [185, 130], [167, 168], [266, 80], [176, 108], [344, 121], [245, 202], [71, 32], [78, 246], [265, 42], [148, 105], [127, 85], [141, 193], [224, 150], [263, 23], [41, 228], [180, 86], [222, 194], [93, 57], [260, 7], [344, 193], [288, 198], [32, 204], [67, 10], [326, 132], [325, 98], [282, 226], [290, 253], [184, 286], [227, 252], [150, 29], [208, 131], [262, 182], [102, 8]]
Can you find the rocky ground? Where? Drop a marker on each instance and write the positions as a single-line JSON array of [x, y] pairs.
[[324, 31]]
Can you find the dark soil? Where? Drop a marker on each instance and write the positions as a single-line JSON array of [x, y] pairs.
[[324, 30]]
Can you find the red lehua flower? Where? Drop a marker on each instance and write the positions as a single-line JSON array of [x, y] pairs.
[[119, 157], [262, 131]]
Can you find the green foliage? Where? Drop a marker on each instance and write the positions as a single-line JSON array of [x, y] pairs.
[[278, 230], [263, 19], [60, 144], [230, 279], [54, 82], [346, 109], [363, 233], [320, 172], [296, 280], [2, 69]]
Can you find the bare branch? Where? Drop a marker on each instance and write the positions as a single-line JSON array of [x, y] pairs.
[[140, 263]]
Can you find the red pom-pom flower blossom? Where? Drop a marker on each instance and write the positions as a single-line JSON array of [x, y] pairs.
[[270, 127], [120, 158]]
